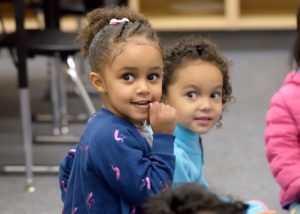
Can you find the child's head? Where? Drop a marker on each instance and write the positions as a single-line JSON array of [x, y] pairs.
[[191, 198], [125, 59], [297, 41], [196, 83]]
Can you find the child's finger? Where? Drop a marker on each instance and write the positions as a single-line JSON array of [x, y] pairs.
[[171, 110], [151, 110], [162, 108], [167, 110], [154, 109]]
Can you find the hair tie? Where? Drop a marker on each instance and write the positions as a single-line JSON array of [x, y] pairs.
[[118, 21]]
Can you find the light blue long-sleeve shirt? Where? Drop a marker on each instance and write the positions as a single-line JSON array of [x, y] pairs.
[[189, 164], [188, 151]]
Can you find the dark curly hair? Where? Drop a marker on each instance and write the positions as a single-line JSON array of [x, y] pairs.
[[99, 37], [193, 199], [193, 48]]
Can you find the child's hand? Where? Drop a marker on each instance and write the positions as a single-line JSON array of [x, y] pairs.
[[267, 212], [162, 118]]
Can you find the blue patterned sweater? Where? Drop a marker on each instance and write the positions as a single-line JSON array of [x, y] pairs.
[[113, 169]]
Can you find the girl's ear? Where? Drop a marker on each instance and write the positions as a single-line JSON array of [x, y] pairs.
[[98, 82]]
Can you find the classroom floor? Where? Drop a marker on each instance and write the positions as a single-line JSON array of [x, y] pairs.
[[235, 160]]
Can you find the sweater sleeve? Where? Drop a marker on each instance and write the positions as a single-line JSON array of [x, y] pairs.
[[128, 167], [65, 167], [282, 146]]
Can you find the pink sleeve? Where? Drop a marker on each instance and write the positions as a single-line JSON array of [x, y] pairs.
[[282, 146]]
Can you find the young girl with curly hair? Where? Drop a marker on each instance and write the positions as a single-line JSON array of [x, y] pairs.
[[196, 83], [114, 167]]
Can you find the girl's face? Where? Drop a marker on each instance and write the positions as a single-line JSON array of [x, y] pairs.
[[132, 80], [196, 94]]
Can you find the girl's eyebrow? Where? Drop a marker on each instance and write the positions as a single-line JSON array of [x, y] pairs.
[[191, 86], [132, 68], [156, 68], [218, 87], [197, 86]]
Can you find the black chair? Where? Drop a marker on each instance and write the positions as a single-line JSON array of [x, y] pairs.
[[25, 111], [73, 7], [61, 46], [92, 4]]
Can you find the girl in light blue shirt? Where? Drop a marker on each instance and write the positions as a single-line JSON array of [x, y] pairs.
[[196, 83]]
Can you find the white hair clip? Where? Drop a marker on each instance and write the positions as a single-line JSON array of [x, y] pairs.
[[118, 21]]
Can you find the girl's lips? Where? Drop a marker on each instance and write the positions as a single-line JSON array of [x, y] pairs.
[[142, 104], [203, 120]]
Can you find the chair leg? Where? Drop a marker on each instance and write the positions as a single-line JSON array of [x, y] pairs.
[[62, 96], [71, 69], [27, 131], [55, 101], [59, 103], [58, 97]]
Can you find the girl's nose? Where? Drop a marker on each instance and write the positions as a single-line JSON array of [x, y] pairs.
[[204, 104], [143, 88]]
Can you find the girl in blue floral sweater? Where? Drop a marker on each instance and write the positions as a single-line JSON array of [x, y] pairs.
[[114, 168]]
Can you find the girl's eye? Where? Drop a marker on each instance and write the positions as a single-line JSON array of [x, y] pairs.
[[153, 77], [128, 77], [191, 95], [216, 95]]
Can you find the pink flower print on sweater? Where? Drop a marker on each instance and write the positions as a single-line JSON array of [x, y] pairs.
[[118, 137], [63, 186], [146, 182], [116, 170], [73, 151], [133, 210], [90, 200], [74, 210]]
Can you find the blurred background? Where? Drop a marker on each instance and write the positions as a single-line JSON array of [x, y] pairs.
[[257, 36]]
